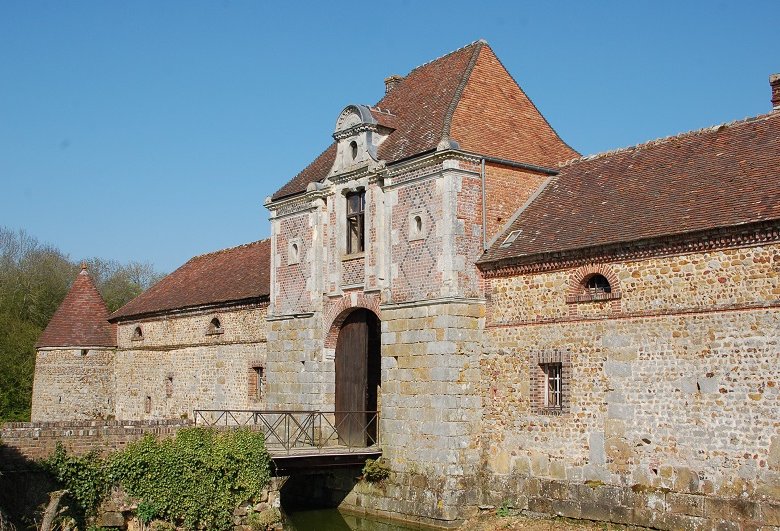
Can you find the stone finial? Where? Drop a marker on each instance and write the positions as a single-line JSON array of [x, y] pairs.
[[774, 83], [84, 266], [391, 82]]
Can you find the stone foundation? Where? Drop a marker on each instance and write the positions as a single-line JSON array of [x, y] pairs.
[[642, 506]]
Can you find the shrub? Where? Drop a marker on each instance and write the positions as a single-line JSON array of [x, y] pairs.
[[195, 479], [85, 478], [375, 470], [264, 520]]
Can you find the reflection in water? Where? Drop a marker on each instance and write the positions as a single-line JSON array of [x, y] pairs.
[[333, 520]]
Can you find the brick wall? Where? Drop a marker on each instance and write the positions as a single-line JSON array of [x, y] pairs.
[[37, 440], [290, 290], [507, 189]]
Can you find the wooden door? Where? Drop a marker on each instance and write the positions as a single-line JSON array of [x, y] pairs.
[[357, 378]]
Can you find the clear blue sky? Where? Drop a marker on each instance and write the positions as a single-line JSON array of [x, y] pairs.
[[153, 130]]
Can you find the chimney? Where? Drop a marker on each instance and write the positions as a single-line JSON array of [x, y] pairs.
[[774, 82], [391, 82]]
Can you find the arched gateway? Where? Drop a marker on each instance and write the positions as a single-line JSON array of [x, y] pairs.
[[358, 360]]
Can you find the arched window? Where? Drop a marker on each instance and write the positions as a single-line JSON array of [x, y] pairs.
[[215, 326], [596, 284], [138, 334]]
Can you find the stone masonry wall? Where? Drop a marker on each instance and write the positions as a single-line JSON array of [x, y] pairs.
[[180, 365], [717, 279], [73, 384], [430, 411], [299, 375], [672, 393], [238, 325]]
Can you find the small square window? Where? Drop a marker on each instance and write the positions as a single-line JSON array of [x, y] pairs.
[[550, 372], [552, 385]]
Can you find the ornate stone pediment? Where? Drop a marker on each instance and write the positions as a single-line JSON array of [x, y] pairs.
[[358, 135]]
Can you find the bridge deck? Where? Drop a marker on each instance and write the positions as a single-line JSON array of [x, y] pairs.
[[309, 458], [305, 440]]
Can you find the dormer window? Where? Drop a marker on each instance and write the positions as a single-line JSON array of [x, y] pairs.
[[356, 204]]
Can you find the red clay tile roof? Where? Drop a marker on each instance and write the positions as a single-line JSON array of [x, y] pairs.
[[466, 95], [717, 177], [81, 320], [230, 275]]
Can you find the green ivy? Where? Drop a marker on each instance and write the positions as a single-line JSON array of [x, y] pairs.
[[195, 479], [85, 478]]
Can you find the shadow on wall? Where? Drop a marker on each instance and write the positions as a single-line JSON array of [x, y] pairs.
[[24, 487], [318, 490]]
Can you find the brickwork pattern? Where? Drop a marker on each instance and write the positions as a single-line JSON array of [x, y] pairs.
[[353, 271], [37, 440], [416, 262], [291, 279], [468, 238]]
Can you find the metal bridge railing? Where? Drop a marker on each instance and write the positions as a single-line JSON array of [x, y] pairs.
[[295, 431]]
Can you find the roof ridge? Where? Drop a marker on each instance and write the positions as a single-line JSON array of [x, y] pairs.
[[445, 133], [227, 249], [666, 139], [478, 41]]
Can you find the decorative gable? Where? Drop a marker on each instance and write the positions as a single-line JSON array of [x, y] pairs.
[[357, 135]]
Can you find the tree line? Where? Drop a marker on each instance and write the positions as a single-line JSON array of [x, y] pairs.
[[34, 279]]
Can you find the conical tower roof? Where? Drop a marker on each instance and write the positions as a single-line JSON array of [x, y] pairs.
[[81, 320]]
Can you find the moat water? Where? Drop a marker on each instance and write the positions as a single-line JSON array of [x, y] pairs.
[[334, 520]]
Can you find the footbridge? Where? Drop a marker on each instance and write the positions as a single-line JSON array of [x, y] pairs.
[[305, 440]]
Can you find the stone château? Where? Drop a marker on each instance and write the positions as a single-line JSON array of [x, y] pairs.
[[595, 337]]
